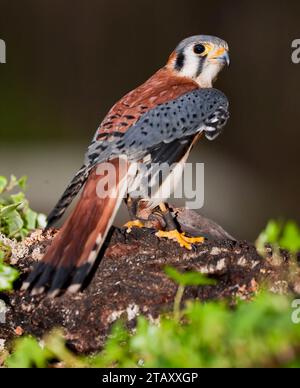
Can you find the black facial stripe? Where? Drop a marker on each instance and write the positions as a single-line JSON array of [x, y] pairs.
[[200, 66], [179, 61]]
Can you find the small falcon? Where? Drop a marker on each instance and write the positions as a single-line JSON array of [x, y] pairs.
[[156, 123]]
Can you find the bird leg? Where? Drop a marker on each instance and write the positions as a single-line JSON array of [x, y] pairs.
[[143, 216], [135, 222], [172, 232]]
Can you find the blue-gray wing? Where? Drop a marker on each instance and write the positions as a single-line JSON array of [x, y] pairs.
[[202, 110]]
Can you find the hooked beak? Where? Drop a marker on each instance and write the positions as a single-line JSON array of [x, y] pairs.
[[225, 58], [221, 55]]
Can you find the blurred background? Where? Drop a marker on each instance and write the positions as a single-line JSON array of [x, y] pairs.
[[68, 62]]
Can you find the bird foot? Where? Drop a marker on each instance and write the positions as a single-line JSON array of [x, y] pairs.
[[133, 224], [181, 238]]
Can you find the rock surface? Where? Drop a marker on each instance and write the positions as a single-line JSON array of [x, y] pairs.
[[130, 280]]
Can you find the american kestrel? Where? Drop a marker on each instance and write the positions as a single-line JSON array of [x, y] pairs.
[[158, 122]]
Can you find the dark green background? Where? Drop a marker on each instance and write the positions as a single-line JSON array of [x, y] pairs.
[[69, 61]]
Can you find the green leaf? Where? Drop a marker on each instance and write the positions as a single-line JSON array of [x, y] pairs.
[[23, 233], [271, 233], [290, 239], [27, 354], [280, 235], [3, 183], [7, 210], [22, 182], [18, 198], [188, 278], [31, 219], [14, 223], [7, 277]]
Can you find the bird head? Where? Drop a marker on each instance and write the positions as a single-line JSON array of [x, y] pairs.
[[200, 58]]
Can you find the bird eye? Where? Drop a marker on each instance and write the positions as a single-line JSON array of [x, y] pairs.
[[199, 49]]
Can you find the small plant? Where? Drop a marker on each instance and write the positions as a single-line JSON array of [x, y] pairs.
[[29, 353], [255, 334], [8, 275], [17, 219], [183, 280], [279, 234]]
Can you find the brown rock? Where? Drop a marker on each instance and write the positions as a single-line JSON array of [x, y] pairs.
[[130, 280]]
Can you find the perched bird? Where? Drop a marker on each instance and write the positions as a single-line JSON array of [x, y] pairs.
[[158, 122]]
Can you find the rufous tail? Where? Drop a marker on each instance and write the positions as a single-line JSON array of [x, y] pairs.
[[73, 252]]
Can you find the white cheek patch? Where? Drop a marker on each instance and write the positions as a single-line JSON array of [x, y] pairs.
[[191, 64], [208, 74]]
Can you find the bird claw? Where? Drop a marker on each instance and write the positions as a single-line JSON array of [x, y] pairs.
[[180, 238], [133, 224]]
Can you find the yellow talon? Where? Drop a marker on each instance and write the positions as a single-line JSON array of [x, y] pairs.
[[133, 224], [183, 241]]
